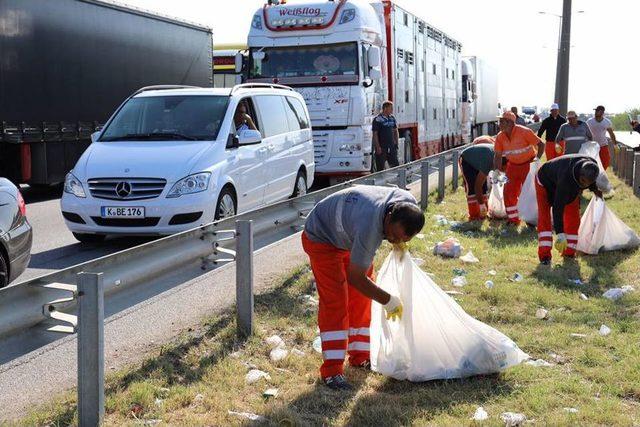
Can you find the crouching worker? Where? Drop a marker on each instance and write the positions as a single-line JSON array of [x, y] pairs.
[[559, 184], [476, 162], [342, 234]]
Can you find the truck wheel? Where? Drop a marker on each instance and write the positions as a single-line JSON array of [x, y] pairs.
[[300, 187], [4, 272], [226, 205], [408, 152], [89, 238]]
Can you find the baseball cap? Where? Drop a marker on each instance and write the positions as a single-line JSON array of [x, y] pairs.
[[599, 107], [554, 107], [508, 115], [571, 114]]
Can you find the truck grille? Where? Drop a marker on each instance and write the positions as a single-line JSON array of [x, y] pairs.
[[126, 188], [321, 144]]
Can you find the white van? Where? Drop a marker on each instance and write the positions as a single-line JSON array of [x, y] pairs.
[[172, 158]]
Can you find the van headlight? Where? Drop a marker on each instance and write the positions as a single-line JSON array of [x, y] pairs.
[[72, 185], [350, 147], [191, 184]]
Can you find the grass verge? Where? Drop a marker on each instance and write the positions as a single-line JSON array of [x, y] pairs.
[[200, 377]]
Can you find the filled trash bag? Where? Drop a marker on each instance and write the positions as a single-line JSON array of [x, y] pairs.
[[601, 230], [496, 208], [435, 339], [528, 203]]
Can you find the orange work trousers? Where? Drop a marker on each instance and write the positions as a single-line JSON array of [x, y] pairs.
[[344, 314], [516, 175], [605, 156], [550, 150], [469, 173], [571, 220]]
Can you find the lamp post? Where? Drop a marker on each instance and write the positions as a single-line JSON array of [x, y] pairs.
[[564, 49]]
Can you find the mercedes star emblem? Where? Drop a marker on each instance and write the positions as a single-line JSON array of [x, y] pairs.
[[123, 189]]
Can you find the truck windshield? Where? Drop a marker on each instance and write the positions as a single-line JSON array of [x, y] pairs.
[[305, 63], [162, 118]]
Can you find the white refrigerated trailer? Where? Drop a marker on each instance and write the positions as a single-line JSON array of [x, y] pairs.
[[479, 98], [346, 57]]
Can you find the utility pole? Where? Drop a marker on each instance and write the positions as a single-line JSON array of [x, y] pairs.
[[562, 71]]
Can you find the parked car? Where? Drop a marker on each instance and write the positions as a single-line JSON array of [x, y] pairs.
[[15, 233], [171, 159]]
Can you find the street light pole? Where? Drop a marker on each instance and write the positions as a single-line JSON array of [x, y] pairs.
[[562, 71]]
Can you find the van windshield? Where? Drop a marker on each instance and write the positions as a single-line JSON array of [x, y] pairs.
[[162, 118], [339, 61]]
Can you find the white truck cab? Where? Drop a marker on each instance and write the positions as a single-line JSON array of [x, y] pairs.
[[331, 52], [174, 158]]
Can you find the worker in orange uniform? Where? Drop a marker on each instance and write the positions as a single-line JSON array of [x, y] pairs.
[[342, 234], [518, 144], [559, 183]]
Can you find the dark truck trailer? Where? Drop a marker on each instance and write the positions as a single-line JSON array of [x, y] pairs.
[[66, 65]]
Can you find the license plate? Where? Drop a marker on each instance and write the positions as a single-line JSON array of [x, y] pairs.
[[122, 212]]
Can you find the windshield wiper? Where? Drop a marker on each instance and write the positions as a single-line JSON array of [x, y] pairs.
[[148, 136]]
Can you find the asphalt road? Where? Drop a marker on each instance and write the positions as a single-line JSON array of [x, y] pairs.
[[54, 247]]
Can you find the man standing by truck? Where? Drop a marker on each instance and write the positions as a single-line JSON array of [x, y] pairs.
[[385, 137], [550, 127], [599, 126], [341, 237], [518, 144]]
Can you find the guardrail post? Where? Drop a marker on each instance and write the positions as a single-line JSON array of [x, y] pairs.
[[402, 178], [628, 167], [90, 349], [636, 174], [424, 184], [456, 158], [621, 163], [614, 160], [441, 170], [244, 278]]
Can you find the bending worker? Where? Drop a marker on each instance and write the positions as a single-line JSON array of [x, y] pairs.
[[342, 234], [476, 162], [550, 127], [559, 184], [572, 135], [518, 144]]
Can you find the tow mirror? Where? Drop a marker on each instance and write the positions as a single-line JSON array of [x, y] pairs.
[[375, 73], [374, 56]]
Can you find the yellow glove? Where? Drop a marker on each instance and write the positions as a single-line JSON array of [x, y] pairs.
[[483, 210], [616, 148], [561, 242], [559, 149], [393, 308]]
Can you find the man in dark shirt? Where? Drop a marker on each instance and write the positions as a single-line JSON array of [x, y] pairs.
[[559, 184], [476, 162], [551, 125], [385, 137], [635, 125]]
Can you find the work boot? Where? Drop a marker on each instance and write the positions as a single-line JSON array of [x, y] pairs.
[[545, 261], [337, 382]]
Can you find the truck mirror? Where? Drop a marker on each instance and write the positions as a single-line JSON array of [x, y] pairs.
[[375, 73], [239, 62], [373, 55], [367, 82], [94, 136], [258, 55]]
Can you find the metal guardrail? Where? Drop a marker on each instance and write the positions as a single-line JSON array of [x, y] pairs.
[[626, 162], [87, 285]]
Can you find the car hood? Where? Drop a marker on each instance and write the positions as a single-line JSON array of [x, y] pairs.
[[170, 160]]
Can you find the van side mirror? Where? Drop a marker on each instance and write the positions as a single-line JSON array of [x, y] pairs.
[[249, 137], [373, 55], [239, 62], [95, 136]]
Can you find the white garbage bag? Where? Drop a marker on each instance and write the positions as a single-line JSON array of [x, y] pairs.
[[435, 339], [496, 208], [600, 229], [528, 202]]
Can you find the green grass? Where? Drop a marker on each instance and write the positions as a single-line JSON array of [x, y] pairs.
[[600, 376]]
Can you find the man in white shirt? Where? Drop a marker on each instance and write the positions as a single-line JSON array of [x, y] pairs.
[[599, 126]]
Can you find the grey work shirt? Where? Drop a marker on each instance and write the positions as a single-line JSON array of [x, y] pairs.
[[574, 137], [352, 219]]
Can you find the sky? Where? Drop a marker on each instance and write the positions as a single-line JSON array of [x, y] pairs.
[[511, 35]]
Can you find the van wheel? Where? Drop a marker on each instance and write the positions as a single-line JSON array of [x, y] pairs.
[[226, 206], [89, 238], [4, 272], [300, 187]]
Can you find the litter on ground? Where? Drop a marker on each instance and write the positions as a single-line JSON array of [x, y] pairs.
[[538, 363], [541, 313], [317, 345], [604, 330], [584, 297], [469, 258], [616, 293], [574, 335], [256, 375], [454, 293], [480, 414], [459, 281], [278, 354], [297, 352], [459, 272], [492, 272], [248, 415], [275, 341], [571, 410], [489, 284], [449, 248], [270, 392], [512, 419], [517, 277]]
